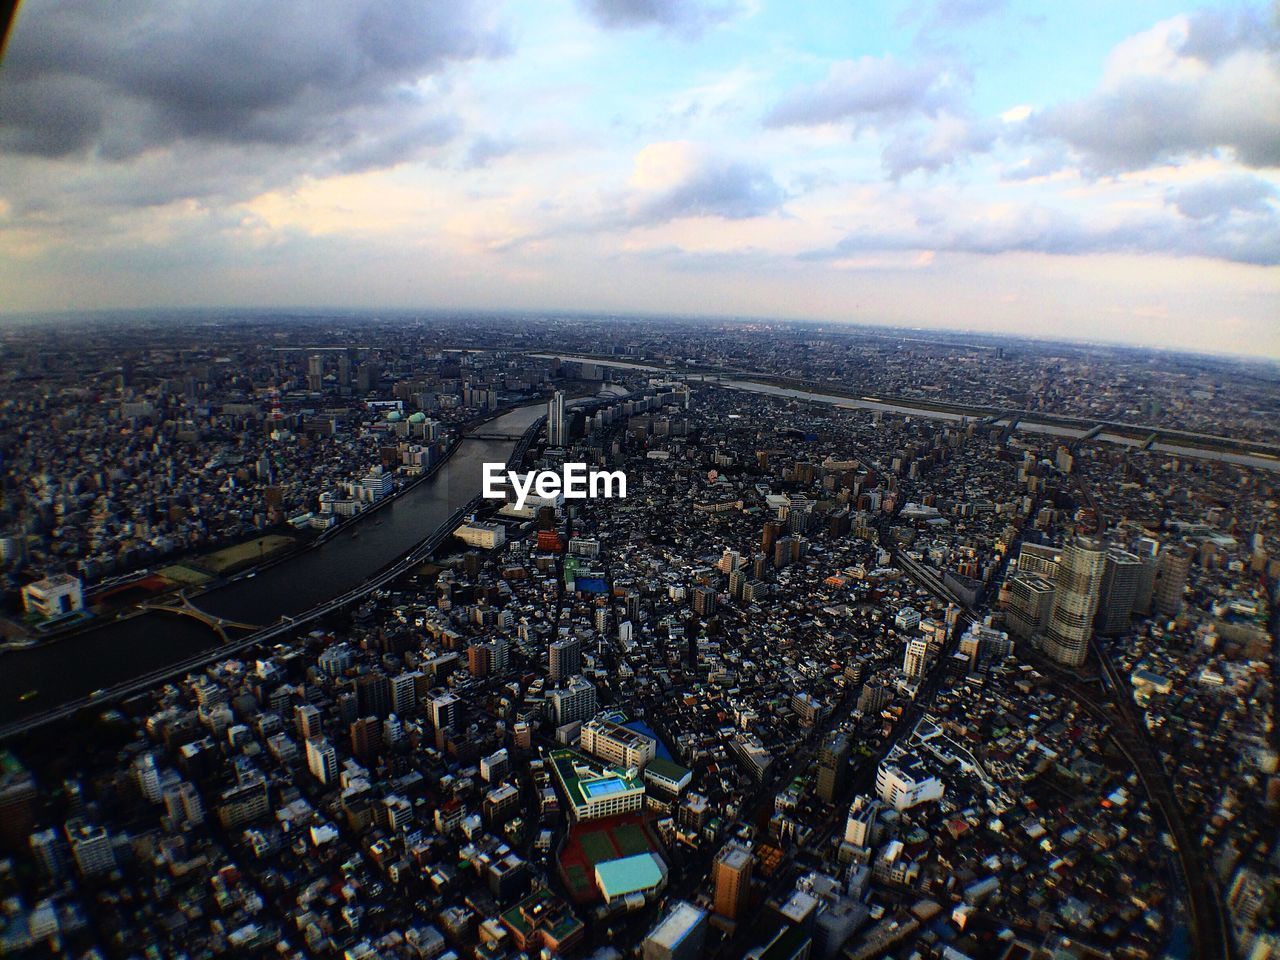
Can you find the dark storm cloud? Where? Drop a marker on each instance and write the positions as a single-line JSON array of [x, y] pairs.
[[324, 78], [688, 17], [1241, 238], [867, 91], [1146, 118], [715, 188]]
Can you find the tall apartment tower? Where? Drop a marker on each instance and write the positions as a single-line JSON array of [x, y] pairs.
[[1075, 601], [1121, 578], [732, 875], [915, 659], [322, 760], [1171, 580], [1147, 550], [833, 766], [557, 424], [564, 659]]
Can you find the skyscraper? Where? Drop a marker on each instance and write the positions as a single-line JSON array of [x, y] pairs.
[[1075, 601], [1171, 580], [732, 875], [1121, 578], [564, 659], [833, 766], [557, 425]]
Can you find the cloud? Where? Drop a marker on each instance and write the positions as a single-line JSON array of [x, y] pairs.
[[685, 17], [1249, 237], [1191, 86], [485, 149], [337, 80], [869, 91], [952, 13], [677, 179], [945, 143], [1221, 197]]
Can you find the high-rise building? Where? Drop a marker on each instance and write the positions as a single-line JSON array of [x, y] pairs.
[[1171, 580], [1030, 603], [916, 658], [1121, 578], [731, 873], [1147, 550], [557, 424], [446, 713], [315, 373], [91, 848], [148, 776], [322, 760], [575, 700], [366, 739], [564, 659], [860, 826], [833, 766], [306, 719], [1040, 560], [373, 695], [404, 692], [704, 601], [1075, 601]]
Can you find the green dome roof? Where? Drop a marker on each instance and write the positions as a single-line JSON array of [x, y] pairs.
[[394, 416], [418, 417]]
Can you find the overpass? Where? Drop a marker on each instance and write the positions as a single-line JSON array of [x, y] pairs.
[[183, 607], [285, 627]]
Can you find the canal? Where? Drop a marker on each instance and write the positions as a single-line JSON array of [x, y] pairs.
[[76, 665]]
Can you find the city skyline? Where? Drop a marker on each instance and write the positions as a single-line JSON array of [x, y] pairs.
[[988, 166]]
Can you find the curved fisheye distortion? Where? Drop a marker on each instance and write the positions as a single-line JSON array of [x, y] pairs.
[[618, 479]]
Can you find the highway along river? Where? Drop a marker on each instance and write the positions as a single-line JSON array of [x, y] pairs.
[[73, 667]]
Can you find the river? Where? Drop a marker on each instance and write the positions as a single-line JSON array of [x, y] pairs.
[[865, 403], [72, 667]]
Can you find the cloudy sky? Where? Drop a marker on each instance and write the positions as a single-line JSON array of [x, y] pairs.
[[1087, 170]]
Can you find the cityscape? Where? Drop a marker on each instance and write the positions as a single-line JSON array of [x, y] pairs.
[[639, 480], [855, 668]]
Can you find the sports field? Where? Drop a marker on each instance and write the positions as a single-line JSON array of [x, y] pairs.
[[595, 841]]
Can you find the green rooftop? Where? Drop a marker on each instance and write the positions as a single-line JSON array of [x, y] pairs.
[[666, 769]]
